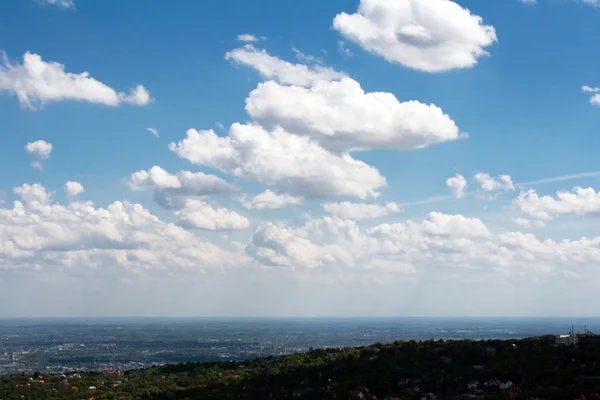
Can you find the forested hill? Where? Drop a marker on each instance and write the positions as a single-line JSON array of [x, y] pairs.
[[519, 369]]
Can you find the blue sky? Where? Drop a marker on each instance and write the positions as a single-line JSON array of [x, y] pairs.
[[360, 189]]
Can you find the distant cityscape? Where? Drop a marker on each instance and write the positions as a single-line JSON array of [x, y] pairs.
[[62, 346]]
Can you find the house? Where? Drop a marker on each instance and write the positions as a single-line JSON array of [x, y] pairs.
[[492, 382], [505, 385], [473, 385], [92, 388]]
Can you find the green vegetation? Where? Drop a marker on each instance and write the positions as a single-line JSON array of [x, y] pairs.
[[536, 368]]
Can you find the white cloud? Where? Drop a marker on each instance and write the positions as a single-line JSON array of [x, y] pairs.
[[358, 211], [529, 223], [171, 190], [39, 149], [326, 241], [457, 185], [153, 131], [269, 200], [33, 194], [489, 184], [440, 245], [529, 1], [342, 117], [336, 242], [73, 188], [124, 241], [78, 238], [271, 67], [295, 164], [579, 202], [138, 96], [60, 3], [199, 215], [443, 224], [594, 99], [154, 178], [247, 37], [427, 35], [38, 82], [306, 58]]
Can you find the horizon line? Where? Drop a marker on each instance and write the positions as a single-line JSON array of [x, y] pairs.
[[300, 317]]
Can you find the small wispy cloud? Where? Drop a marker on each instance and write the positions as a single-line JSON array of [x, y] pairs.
[[59, 3], [307, 58], [247, 37], [345, 51], [153, 131], [561, 178], [428, 200], [593, 3]]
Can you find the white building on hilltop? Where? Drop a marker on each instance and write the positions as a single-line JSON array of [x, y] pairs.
[[567, 340]]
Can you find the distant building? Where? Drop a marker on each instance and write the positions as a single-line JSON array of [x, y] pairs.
[[505, 385], [492, 382], [567, 340]]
